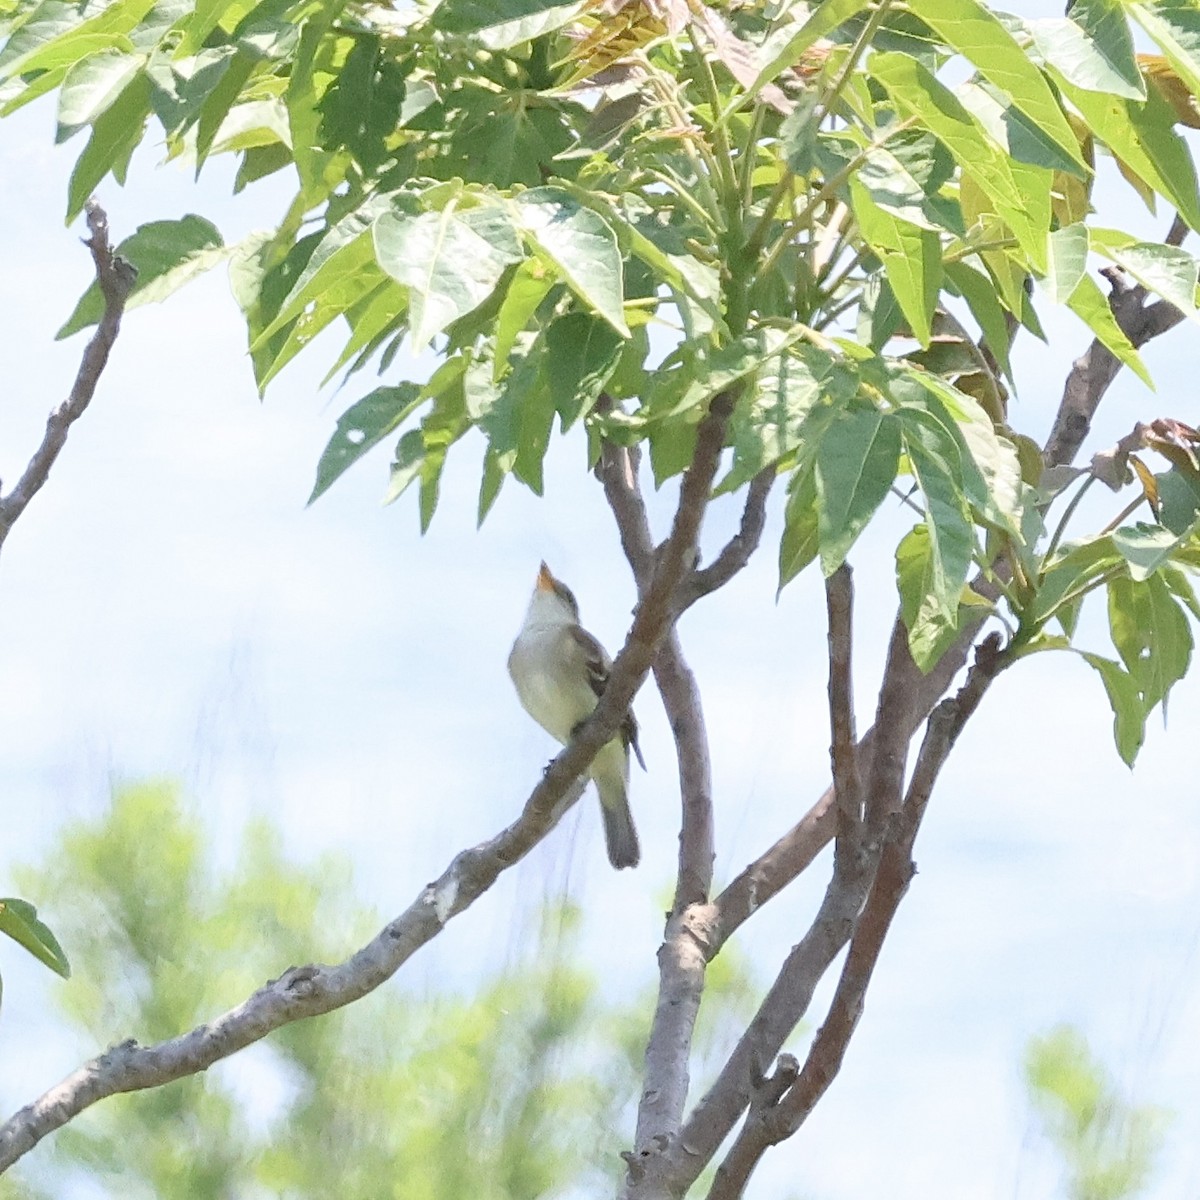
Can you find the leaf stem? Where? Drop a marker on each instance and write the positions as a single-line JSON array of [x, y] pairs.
[[1068, 513]]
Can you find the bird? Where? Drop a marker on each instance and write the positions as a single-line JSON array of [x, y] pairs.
[[560, 672]]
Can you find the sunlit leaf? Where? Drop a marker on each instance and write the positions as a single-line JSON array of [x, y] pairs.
[[580, 244], [1092, 48], [450, 261]]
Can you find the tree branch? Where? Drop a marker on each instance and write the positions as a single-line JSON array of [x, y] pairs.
[[766, 1123], [683, 956], [1093, 372], [737, 552], [791, 994], [115, 278], [315, 989], [843, 748], [1089, 379]]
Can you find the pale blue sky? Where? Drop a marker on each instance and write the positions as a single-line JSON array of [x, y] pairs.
[[171, 607]]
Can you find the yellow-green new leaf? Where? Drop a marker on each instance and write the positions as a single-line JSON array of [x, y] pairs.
[[1066, 262], [1175, 26], [1020, 192], [976, 34]]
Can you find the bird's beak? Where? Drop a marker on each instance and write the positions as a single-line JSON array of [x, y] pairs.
[[545, 581]]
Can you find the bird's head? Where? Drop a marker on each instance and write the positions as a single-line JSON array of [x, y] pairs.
[[552, 598]]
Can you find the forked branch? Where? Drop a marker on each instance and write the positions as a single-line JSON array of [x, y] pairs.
[[769, 1122]]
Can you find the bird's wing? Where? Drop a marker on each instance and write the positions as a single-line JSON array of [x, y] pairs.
[[598, 666]]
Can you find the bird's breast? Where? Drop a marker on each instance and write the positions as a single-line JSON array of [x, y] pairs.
[[556, 697]]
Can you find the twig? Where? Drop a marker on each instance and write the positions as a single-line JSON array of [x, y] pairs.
[[115, 278]]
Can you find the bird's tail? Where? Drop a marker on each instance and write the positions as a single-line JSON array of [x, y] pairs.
[[610, 770]]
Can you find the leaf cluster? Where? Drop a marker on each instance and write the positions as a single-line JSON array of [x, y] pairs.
[[839, 214]]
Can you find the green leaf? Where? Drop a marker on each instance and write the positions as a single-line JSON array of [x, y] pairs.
[[337, 274], [1012, 130], [526, 291], [450, 261], [1151, 633], [1179, 501], [19, 920], [363, 425], [517, 413], [1092, 48], [911, 257], [167, 254], [1129, 714], [931, 630], [376, 316], [115, 135], [1165, 270], [683, 388], [975, 33], [201, 21], [581, 244], [1142, 137], [903, 176], [501, 24], [421, 453], [936, 465], [1090, 304], [1073, 572], [1175, 26], [977, 290], [857, 458], [507, 143], [793, 398], [1144, 547], [340, 254], [582, 351], [672, 448], [360, 108], [54, 36], [1066, 262], [308, 81], [91, 86], [986, 464], [490, 484], [801, 540], [1020, 192], [1181, 588]]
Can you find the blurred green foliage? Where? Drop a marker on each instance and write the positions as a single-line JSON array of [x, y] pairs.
[[1108, 1144], [521, 1091]]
